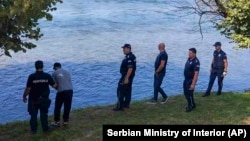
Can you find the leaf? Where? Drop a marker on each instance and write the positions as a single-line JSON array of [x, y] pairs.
[[49, 17]]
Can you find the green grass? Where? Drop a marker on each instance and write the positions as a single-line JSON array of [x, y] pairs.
[[86, 124]]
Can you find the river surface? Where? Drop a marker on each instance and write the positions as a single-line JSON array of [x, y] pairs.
[[86, 37]]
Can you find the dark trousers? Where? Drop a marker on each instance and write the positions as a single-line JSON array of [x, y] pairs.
[[215, 73], [63, 98], [189, 94], [33, 111], [124, 92], [157, 86]]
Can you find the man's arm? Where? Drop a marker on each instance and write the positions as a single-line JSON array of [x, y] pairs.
[[55, 86], [52, 81], [161, 66], [26, 93], [196, 74], [225, 65], [212, 65], [130, 70]]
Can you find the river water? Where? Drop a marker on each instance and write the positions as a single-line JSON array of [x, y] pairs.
[[86, 37]]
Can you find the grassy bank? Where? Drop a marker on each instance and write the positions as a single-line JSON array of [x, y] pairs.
[[86, 124]]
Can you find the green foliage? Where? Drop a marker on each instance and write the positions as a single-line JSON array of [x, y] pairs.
[[19, 22], [236, 25]]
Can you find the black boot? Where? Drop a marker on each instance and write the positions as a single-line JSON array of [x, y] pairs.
[[219, 92], [206, 94]]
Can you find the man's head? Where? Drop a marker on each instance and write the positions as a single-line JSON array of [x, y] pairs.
[[39, 65], [192, 53], [126, 48], [217, 45], [57, 65], [161, 46]]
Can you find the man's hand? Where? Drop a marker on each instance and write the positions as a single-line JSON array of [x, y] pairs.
[[26, 92], [224, 73], [24, 99], [192, 87], [156, 74], [126, 81]]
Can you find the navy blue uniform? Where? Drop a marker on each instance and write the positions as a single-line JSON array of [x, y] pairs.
[[217, 71], [39, 98], [158, 78], [190, 67], [162, 56], [124, 90]]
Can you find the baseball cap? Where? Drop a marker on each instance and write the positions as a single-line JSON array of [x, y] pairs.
[[126, 45], [57, 64], [217, 44]]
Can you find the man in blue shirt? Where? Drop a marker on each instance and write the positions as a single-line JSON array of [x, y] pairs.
[[218, 69], [127, 70], [191, 73], [160, 70]]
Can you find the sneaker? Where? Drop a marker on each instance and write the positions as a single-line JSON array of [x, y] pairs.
[[152, 102], [164, 100], [55, 124], [65, 123]]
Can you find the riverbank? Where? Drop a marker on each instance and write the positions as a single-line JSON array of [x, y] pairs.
[[86, 124]]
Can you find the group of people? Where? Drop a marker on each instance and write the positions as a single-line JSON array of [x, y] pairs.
[[37, 87], [218, 69], [38, 91]]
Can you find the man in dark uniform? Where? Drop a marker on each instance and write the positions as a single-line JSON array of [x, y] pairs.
[[191, 73], [160, 70], [218, 69], [127, 70], [37, 88]]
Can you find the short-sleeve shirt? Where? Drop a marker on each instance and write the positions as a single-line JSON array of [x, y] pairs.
[[129, 61], [39, 83], [162, 56], [219, 59], [191, 66], [63, 79]]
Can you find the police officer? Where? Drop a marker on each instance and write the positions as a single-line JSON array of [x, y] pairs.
[[37, 88], [191, 73], [218, 69], [127, 70]]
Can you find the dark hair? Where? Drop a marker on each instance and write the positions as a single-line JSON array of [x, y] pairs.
[[193, 50], [57, 65], [39, 64]]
